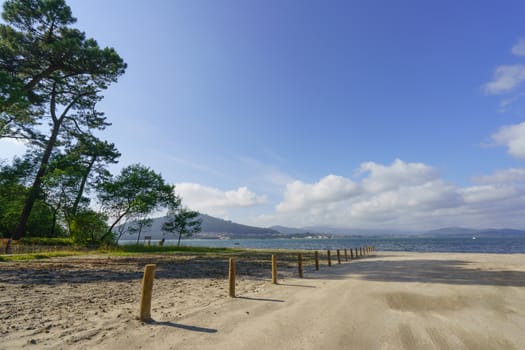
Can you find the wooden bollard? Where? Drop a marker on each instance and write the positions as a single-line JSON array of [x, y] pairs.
[[356, 256], [346, 255], [360, 251], [231, 278], [316, 254], [274, 269], [300, 264], [351, 253], [329, 258], [338, 256], [147, 291]]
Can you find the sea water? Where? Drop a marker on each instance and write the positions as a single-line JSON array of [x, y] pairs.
[[409, 244]]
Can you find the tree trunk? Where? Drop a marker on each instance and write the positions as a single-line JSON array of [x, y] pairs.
[[35, 188], [82, 186], [54, 223], [110, 229], [138, 234], [180, 236]]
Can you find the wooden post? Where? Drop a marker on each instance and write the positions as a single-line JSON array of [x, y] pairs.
[[300, 264], [231, 277], [356, 256], [329, 258], [351, 253], [346, 255], [274, 269], [338, 256], [147, 291], [316, 260]]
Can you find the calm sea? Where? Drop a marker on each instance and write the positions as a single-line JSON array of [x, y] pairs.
[[409, 244]]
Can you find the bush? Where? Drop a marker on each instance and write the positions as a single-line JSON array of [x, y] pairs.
[[89, 227], [47, 241]]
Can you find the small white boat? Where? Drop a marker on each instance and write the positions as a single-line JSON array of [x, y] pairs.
[[473, 237]]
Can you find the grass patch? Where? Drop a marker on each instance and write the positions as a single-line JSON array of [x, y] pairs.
[[141, 249], [47, 241], [37, 256]]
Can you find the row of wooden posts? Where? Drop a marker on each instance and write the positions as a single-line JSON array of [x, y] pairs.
[[149, 274]]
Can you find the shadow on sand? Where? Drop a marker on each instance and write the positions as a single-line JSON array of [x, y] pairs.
[[182, 326], [458, 272], [261, 299]]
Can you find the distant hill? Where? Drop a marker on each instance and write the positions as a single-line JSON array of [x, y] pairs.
[[338, 231], [213, 227]]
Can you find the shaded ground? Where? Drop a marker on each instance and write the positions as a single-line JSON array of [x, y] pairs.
[[74, 294]]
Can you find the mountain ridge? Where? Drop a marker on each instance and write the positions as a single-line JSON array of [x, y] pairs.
[[217, 228]]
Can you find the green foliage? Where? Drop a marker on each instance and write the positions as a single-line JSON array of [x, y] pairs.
[[89, 227], [136, 192], [51, 75], [183, 222], [12, 197]]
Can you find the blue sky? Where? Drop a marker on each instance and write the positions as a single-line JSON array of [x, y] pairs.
[[377, 114]]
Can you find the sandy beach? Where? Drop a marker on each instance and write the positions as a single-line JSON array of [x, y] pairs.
[[389, 300]]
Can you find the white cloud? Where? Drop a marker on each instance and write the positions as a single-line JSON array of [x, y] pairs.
[[519, 48], [398, 195], [213, 201], [397, 174], [331, 188], [488, 193], [512, 175], [513, 137], [402, 196], [506, 78]]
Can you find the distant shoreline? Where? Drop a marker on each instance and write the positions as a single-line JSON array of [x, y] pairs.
[[465, 244]]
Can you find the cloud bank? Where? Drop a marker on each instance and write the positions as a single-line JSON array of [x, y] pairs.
[[403, 196], [213, 201], [507, 78], [400, 195], [512, 137]]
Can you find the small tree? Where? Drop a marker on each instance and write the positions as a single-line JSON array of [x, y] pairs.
[[139, 225], [135, 193], [183, 222]]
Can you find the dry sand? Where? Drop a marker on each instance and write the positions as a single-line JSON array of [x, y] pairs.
[[390, 300]]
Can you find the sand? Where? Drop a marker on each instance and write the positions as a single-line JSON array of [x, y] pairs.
[[390, 300]]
